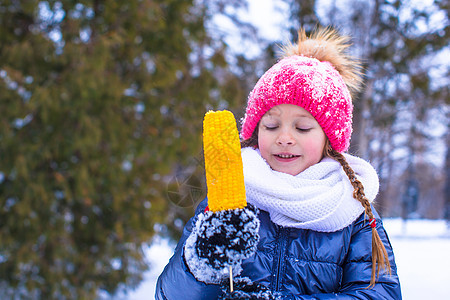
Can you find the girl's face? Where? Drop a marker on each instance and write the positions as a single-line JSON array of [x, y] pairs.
[[290, 139]]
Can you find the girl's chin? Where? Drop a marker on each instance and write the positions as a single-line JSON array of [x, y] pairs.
[[291, 171]]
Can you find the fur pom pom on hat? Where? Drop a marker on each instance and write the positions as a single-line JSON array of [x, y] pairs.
[[315, 74]]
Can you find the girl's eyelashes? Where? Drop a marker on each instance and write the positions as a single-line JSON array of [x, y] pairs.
[[304, 129], [270, 127], [273, 127]]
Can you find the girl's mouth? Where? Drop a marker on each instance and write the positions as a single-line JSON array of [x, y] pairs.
[[285, 157]]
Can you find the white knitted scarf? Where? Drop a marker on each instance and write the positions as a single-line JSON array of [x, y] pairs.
[[319, 198]]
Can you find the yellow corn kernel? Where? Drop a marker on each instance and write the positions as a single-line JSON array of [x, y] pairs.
[[223, 161]]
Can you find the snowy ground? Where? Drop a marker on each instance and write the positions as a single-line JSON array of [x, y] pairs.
[[421, 248]]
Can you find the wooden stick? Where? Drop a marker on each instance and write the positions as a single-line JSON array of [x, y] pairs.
[[231, 279]]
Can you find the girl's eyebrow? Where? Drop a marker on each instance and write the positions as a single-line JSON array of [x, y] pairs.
[[273, 112], [278, 113], [270, 115], [303, 116]]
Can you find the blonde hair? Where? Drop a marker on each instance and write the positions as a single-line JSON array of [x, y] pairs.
[[380, 258]]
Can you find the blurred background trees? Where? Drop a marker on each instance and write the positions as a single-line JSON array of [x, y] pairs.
[[99, 101], [102, 105], [401, 117]]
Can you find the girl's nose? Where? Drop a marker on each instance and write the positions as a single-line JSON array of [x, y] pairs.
[[285, 138]]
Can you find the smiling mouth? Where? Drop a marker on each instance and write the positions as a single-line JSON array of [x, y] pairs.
[[286, 155]]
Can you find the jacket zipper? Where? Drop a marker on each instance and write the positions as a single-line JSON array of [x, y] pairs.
[[280, 254]]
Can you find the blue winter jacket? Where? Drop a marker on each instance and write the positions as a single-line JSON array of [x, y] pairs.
[[298, 263]]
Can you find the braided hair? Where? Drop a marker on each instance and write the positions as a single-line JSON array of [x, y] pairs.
[[380, 259]]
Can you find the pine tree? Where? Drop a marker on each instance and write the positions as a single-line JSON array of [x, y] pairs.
[[99, 101]]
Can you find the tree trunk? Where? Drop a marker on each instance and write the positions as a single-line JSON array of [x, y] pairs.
[[447, 182]]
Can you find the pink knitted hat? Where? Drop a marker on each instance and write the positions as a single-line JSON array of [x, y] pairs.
[[310, 83], [316, 86]]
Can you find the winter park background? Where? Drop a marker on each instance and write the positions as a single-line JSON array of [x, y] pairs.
[[421, 247]]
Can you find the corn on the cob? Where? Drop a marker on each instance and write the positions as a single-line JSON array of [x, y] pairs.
[[223, 162]]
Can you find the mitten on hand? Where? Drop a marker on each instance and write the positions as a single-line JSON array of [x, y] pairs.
[[219, 240], [244, 288]]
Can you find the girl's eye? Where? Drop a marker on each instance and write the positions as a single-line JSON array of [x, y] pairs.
[[303, 129], [270, 127]]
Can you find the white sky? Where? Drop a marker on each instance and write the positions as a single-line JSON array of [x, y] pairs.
[[268, 16]]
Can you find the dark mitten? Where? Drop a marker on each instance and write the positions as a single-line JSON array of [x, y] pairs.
[[220, 240], [244, 288]]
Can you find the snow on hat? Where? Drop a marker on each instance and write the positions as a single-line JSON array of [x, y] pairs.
[[316, 75]]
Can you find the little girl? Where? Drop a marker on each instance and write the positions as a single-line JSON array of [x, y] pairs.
[[319, 236]]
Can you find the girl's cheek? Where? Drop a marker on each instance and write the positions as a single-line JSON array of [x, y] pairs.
[[316, 145]]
